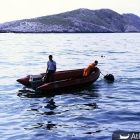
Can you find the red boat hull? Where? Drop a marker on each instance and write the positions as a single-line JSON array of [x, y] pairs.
[[65, 80]]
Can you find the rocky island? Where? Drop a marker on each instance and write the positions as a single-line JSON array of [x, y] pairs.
[[76, 21]]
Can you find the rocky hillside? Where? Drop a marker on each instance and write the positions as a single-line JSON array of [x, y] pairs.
[[81, 20]]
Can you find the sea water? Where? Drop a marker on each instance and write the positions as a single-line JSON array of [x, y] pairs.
[[92, 113]]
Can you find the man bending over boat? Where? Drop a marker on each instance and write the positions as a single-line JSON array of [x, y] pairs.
[[89, 68], [51, 68]]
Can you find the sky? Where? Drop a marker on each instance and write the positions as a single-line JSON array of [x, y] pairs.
[[22, 9]]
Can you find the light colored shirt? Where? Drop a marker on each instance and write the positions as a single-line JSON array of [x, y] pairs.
[[51, 65]]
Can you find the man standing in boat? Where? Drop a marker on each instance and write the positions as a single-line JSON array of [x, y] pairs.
[[51, 68]]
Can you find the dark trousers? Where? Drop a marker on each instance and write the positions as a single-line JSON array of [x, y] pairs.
[[50, 76]]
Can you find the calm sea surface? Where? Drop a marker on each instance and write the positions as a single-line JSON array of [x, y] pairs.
[[90, 114]]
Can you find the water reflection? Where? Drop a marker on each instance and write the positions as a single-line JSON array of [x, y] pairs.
[[64, 111], [33, 94], [51, 104], [49, 125], [91, 91], [92, 105], [45, 108]]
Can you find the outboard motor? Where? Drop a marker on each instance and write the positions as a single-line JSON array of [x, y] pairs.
[[109, 78]]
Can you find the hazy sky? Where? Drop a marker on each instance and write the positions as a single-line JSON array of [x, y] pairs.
[[21, 9]]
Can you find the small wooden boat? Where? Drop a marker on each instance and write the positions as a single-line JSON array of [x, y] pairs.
[[69, 79]]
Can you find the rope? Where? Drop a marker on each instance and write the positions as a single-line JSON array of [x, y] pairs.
[[101, 73]]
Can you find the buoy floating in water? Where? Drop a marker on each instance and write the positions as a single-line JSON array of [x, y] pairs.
[[109, 77]]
